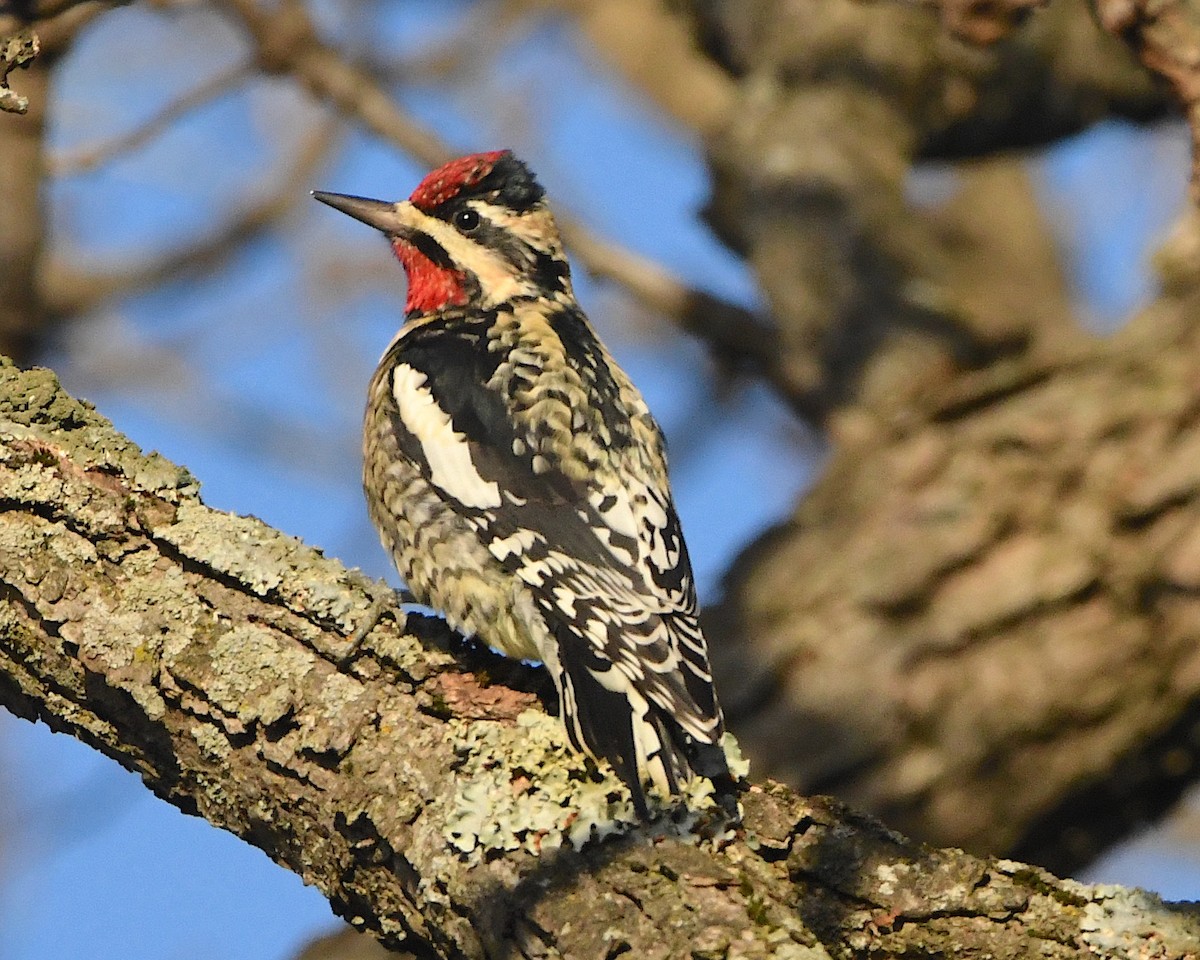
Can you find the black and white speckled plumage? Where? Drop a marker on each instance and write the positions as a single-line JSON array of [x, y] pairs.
[[520, 483]]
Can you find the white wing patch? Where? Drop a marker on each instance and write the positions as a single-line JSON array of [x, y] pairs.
[[446, 451], [660, 548], [615, 509], [515, 544]]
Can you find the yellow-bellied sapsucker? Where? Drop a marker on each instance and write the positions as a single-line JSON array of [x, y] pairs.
[[519, 481]]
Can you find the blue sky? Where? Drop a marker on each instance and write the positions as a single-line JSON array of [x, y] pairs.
[[253, 377]]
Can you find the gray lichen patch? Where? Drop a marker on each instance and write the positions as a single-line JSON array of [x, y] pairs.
[[49, 557], [32, 402], [243, 548], [36, 397], [269, 564], [1118, 923], [739, 764], [403, 650], [523, 786], [334, 713], [154, 473], [115, 620], [247, 672], [214, 745], [37, 476], [151, 591]]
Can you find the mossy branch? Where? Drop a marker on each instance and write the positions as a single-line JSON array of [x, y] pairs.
[[432, 805]]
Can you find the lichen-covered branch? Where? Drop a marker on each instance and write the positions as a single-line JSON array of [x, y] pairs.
[[435, 807]]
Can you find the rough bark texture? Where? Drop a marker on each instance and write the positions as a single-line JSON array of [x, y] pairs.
[[211, 655]]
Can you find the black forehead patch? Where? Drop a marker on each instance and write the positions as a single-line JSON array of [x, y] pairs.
[[510, 183]]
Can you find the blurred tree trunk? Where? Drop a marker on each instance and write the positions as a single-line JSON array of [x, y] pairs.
[[982, 623], [27, 314]]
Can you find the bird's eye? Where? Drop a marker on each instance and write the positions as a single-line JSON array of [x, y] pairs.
[[466, 220]]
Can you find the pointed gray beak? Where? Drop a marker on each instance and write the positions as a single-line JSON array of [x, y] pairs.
[[375, 213]]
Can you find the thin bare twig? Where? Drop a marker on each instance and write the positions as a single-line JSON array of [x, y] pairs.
[[89, 157], [80, 293], [465, 53], [57, 23]]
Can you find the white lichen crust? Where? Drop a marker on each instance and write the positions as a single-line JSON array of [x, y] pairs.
[[524, 787]]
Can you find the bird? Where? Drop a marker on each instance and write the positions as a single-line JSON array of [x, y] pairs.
[[519, 481]]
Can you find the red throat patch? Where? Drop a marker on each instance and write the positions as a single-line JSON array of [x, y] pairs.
[[447, 180], [430, 287]]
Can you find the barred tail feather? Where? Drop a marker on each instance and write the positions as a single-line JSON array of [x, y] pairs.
[[607, 716]]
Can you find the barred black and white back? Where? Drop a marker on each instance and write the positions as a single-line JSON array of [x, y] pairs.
[[520, 482]]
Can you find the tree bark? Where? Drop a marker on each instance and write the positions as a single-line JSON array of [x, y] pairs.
[[27, 317], [435, 807]]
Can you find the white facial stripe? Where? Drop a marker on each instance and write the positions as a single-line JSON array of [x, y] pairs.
[[497, 281], [539, 229], [446, 452]]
